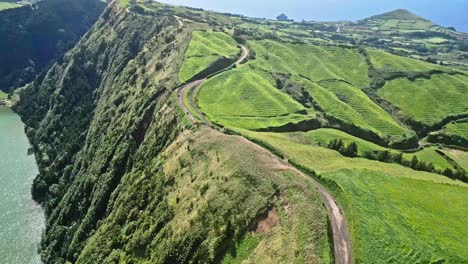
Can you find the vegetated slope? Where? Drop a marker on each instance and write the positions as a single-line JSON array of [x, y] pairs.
[[88, 116], [324, 78], [323, 137], [34, 35], [201, 196], [429, 101], [207, 49], [455, 133], [388, 62], [393, 211], [344, 101], [116, 184], [313, 62], [244, 92]]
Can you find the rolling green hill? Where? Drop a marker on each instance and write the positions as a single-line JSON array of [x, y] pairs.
[[401, 21], [205, 49]]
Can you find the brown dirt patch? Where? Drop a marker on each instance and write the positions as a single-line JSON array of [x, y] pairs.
[[266, 224]]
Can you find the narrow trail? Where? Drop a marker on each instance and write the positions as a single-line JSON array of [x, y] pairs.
[[341, 238]]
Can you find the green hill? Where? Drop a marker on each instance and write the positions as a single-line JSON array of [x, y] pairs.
[[402, 14]]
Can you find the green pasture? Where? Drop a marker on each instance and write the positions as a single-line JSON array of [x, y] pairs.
[[457, 128], [313, 62], [349, 103], [204, 49], [243, 92], [428, 100], [382, 60]]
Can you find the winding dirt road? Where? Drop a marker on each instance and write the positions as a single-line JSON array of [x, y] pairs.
[[341, 238]]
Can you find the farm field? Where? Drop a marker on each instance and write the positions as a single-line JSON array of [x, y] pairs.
[[321, 137], [349, 103], [382, 60], [428, 101], [204, 49], [243, 92], [458, 156], [406, 208], [315, 63], [457, 128]]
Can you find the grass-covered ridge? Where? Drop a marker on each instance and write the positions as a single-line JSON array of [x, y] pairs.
[[204, 193], [206, 48]]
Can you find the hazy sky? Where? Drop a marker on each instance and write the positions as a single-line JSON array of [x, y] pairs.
[[442, 12]]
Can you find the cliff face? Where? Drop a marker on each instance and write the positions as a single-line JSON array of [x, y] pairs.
[[34, 35], [89, 115]]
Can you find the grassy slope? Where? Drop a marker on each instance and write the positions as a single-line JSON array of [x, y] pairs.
[[7, 5], [460, 157], [385, 61], [321, 137], [204, 49], [206, 187], [243, 92], [351, 104], [396, 214], [248, 92], [314, 62], [428, 101], [459, 129]]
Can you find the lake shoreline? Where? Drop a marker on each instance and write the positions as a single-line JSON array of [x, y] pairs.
[[22, 220]]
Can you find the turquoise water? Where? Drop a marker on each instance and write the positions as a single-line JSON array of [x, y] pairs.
[[21, 220]]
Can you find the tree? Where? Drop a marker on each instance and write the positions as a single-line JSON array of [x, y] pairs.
[[351, 150], [282, 17], [414, 162]]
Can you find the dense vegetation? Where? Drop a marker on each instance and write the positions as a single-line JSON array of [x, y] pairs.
[[34, 35], [126, 178]]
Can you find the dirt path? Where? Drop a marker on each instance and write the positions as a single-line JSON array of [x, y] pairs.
[[181, 23], [341, 238]]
